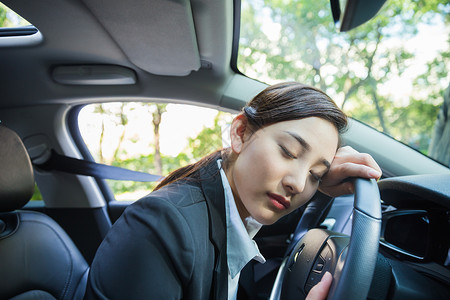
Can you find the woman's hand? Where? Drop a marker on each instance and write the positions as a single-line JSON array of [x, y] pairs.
[[348, 163], [320, 290]]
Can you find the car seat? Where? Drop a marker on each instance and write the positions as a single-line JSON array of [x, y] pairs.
[[38, 260]]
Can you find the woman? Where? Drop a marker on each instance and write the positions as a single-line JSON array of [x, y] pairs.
[[190, 238]]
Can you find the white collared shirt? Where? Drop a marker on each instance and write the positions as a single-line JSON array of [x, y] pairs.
[[241, 248]]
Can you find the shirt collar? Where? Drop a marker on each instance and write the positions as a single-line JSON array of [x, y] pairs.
[[241, 248]]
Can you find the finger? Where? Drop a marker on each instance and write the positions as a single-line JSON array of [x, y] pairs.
[[347, 149], [358, 158], [347, 169], [320, 290]]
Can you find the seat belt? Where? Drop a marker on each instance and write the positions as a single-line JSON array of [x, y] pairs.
[[58, 162]]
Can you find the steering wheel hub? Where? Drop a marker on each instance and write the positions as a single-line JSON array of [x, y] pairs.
[[351, 260]]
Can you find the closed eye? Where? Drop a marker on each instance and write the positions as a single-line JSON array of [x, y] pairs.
[[287, 153], [316, 177]]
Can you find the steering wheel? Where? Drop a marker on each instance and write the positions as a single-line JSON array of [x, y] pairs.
[[351, 260]]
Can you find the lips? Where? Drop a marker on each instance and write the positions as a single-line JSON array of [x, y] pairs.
[[279, 201]]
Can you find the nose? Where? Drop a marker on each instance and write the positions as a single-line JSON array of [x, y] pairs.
[[294, 182]]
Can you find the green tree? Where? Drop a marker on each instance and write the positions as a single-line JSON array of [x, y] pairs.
[[158, 111], [117, 115], [353, 66], [9, 18], [36, 194], [209, 139], [3, 18], [145, 163], [440, 143]]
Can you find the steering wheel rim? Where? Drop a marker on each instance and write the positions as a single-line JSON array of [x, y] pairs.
[[352, 266]]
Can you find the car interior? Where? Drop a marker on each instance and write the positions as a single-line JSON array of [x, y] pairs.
[[78, 53], [49, 265]]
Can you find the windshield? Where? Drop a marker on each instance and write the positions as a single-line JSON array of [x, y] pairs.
[[390, 73]]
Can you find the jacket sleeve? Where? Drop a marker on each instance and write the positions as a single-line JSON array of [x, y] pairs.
[[148, 254]]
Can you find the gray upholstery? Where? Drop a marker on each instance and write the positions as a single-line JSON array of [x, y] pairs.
[[38, 260], [159, 42], [16, 172]]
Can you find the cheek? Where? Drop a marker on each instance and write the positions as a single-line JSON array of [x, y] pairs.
[[305, 196], [256, 170], [259, 162]]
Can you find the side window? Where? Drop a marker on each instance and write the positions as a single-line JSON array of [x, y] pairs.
[[154, 138], [10, 19]]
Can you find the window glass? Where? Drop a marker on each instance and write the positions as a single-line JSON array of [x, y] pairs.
[[36, 194], [9, 18], [150, 137], [390, 73]]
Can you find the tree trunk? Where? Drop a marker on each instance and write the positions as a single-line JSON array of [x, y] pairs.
[[379, 111], [369, 65], [123, 122], [102, 134], [157, 115], [440, 142], [352, 90]]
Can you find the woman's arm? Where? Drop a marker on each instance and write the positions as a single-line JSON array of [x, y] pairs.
[[148, 254]]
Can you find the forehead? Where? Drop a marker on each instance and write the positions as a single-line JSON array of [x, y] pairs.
[[321, 135]]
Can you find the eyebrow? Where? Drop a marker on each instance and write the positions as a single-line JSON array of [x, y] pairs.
[[307, 146], [326, 163], [300, 140]]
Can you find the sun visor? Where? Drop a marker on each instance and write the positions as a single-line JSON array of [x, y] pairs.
[[157, 36]]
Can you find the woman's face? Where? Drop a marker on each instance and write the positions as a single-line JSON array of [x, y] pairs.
[[278, 168]]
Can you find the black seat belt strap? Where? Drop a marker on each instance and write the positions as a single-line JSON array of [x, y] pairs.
[[72, 165]]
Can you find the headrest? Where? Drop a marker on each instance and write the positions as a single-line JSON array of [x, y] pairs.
[[16, 172]]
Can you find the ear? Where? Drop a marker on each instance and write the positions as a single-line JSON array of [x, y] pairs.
[[237, 133]]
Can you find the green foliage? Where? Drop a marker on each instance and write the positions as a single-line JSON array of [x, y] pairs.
[[144, 163], [207, 141], [414, 123], [302, 44], [37, 194], [9, 18], [3, 16]]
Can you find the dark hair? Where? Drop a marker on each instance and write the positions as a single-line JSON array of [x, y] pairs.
[[277, 103], [292, 101]]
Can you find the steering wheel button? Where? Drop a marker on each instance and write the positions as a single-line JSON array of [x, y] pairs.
[[318, 266], [314, 278]]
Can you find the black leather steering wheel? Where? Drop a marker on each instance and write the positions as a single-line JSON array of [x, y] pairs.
[[351, 260]]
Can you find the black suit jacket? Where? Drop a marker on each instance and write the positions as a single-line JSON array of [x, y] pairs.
[[168, 245]]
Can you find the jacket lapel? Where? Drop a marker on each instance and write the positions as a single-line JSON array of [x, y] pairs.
[[211, 183]]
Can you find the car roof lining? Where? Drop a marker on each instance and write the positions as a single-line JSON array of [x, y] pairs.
[[160, 38], [32, 66]]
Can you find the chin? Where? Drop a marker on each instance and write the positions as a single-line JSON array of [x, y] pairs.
[[269, 222], [268, 219]]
